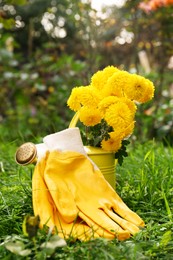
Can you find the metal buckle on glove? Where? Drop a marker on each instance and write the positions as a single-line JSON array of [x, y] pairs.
[[26, 154]]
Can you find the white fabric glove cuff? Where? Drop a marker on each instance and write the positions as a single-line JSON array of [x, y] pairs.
[[41, 150], [66, 140]]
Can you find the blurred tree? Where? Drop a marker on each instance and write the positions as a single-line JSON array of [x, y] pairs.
[[66, 22], [48, 47], [35, 22], [153, 34]]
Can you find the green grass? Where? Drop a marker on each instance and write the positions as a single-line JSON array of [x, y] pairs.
[[144, 181]]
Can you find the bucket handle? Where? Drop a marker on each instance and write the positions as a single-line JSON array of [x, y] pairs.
[[74, 120]]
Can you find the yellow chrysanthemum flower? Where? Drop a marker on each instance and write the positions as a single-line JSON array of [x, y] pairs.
[[141, 89], [128, 130], [106, 103], [111, 96], [124, 132], [116, 84], [90, 116], [110, 70], [119, 114], [113, 144], [89, 97], [149, 93], [131, 105], [99, 79], [73, 101]]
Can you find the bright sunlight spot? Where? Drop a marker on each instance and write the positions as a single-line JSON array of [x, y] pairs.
[[98, 4]]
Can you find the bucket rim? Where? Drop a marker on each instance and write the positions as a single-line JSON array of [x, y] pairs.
[[91, 150]]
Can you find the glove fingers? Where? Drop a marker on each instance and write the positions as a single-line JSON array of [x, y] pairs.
[[118, 205], [99, 216], [95, 227], [42, 201], [122, 210], [133, 229], [77, 229], [58, 189], [103, 232]]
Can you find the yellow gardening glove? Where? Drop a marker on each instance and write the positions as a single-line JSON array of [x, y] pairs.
[[61, 211], [69, 170], [44, 206]]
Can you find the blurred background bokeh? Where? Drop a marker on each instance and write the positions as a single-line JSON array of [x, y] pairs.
[[47, 47]]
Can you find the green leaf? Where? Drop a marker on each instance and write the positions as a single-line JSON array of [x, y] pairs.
[[7, 23], [54, 242], [121, 153], [17, 248], [166, 238], [17, 2]]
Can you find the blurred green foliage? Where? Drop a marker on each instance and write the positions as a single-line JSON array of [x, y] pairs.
[[35, 93], [49, 47]]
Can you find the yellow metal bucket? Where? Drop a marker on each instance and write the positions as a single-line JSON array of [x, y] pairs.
[[103, 159]]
